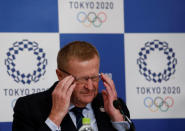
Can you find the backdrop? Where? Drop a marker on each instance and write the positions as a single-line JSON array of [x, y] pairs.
[[141, 45]]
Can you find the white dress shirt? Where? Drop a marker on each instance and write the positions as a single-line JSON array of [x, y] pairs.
[[88, 112]]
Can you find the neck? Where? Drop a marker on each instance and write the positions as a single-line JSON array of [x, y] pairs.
[[78, 104]]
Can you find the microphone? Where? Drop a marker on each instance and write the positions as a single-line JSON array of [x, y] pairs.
[[118, 105]]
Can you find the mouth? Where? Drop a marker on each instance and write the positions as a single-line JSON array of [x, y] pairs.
[[87, 93]]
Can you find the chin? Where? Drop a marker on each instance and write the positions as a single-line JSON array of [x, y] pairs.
[[87, 99]]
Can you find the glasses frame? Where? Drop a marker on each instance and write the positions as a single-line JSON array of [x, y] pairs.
[[82, 78]]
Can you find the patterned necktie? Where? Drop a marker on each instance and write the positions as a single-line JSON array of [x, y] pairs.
[[78, 113]]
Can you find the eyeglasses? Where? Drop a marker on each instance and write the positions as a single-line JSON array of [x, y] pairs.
[[83, 80]]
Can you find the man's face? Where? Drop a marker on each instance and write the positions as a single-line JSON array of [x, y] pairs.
[[84, 92]]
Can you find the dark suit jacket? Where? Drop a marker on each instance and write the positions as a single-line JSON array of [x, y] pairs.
[[31, 112]]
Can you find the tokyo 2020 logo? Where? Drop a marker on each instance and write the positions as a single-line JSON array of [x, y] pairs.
[[168, 52], [18, 75]]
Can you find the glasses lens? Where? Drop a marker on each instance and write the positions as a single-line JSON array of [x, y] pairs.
[[81, 80], [84, 80], [95, 78]]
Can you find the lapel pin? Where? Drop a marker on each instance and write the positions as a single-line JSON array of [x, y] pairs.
[[102, 109]]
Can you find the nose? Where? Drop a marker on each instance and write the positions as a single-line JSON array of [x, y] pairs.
[[89, 84]]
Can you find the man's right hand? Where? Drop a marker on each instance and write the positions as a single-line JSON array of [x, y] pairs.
[[61, 99]]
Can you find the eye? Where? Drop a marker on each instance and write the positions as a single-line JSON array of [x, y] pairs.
[[94, 78], [83, 79]]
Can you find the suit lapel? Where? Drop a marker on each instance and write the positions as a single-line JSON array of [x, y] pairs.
[[99, 115], [102, 119], [67, 124]]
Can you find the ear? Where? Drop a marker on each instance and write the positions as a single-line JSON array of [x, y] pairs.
[[59, 74]]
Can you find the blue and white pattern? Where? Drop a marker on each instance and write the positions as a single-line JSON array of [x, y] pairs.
[[19, 76], [126, 33], [170, 65]]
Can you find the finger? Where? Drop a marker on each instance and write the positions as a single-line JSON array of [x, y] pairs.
[[104, 94], [112, 95], [108, 89], [70, 89], [107, 79], [61, 84], [110, 82], [58, 91], [67, 84]]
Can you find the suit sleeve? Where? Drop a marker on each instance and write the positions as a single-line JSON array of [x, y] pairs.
[[23, 121], [126, 112]]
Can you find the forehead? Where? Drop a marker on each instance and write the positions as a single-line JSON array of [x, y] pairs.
[[83, 67], [75, 60]]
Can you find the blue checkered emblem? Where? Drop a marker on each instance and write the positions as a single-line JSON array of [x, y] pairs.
[[170, 69], [17, 75]]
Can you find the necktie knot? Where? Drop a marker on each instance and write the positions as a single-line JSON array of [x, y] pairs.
[[77, 110]]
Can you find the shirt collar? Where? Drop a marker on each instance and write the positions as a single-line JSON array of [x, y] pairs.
[[88, 106]]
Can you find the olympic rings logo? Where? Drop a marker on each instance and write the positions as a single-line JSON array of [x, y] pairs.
[[91, 18], [158, 103]]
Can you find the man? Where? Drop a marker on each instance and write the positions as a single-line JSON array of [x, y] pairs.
[[78, 75]]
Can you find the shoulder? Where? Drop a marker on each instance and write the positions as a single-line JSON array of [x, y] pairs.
[[98, 103], [33, 98], [37, 97], [34, 102]]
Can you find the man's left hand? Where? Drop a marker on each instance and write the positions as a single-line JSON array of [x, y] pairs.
[[109, 95]]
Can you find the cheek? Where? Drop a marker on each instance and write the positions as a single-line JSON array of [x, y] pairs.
[[96, 86], [77, 90]]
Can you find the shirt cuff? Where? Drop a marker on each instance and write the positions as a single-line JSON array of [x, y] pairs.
[[52, 125], [121, 126]]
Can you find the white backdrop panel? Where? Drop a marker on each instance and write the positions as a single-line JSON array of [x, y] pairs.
[[25, 62], [145, 97]]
